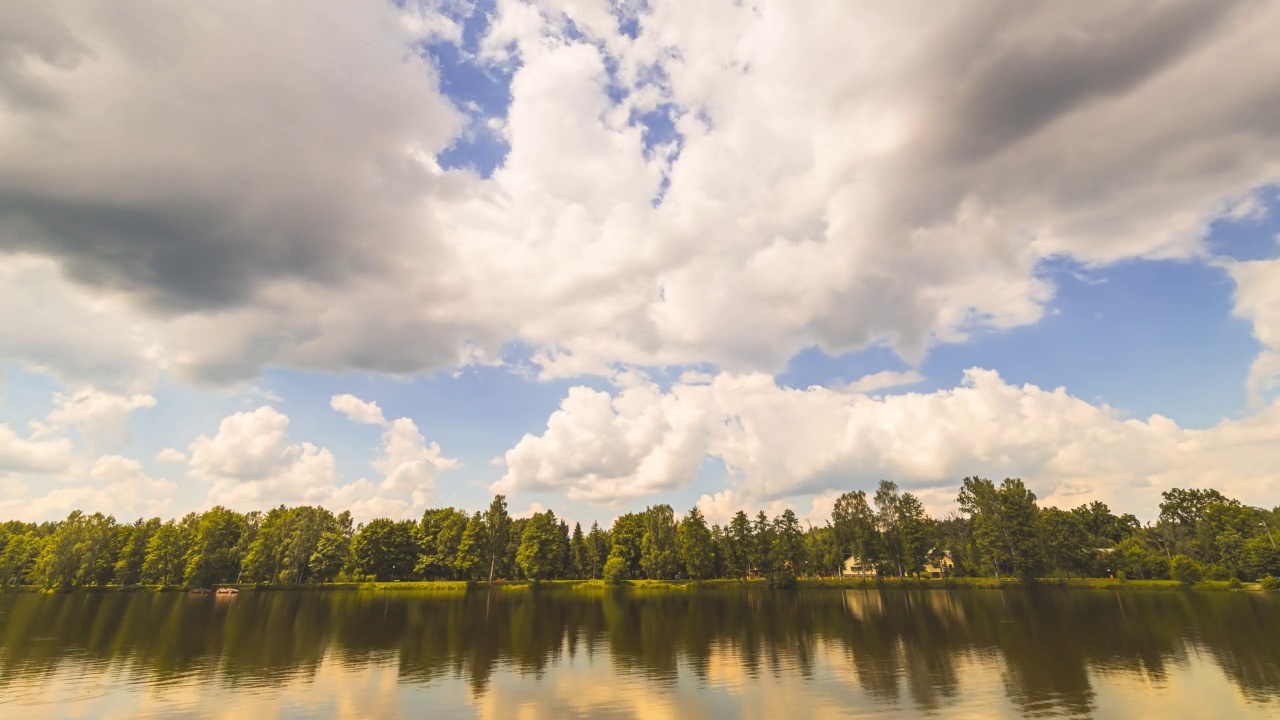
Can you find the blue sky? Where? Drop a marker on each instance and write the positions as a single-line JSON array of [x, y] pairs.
[[591, 253]]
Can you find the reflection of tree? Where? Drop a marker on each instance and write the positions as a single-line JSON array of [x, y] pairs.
[[892, 643]]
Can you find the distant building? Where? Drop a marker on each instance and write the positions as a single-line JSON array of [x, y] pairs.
[[854, 567]]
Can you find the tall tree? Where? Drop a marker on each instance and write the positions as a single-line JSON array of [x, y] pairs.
[[386, 549], [165, 562], [472, 549], [695, 548], [738, 543], [133, 550], [762, 544], [1066, 540], [332, 555], [579, 557], [497, 526], [626, 539], [213, 555], [854, 525], [786, 548], [540, 546], [886, 500], [915, 540], [597, 550], [658, 553]]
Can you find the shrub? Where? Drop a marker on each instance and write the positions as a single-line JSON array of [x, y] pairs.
[[1185, 570], [1270, 582], [1217, 572], [615, 570], [1235, 583], [1121, 576], [783, 579]]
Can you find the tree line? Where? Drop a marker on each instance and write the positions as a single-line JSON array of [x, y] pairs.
[[996, 531]]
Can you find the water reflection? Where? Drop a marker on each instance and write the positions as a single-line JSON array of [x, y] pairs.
[[554, 654]]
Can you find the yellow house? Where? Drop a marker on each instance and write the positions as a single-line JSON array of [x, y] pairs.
[[853, 567]]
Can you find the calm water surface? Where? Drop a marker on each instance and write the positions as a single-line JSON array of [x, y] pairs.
[[749, 653]]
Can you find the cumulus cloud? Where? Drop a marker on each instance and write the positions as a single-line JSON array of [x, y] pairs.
[[252, 463], [733, 183], [882, 380], [101, 418], [358, 410], [780, 443], [114, 484], [33, 455], [171, 455], [1257, 299]]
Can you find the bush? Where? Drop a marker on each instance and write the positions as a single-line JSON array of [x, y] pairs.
[[1217, 572], [783, 579], [1235, 583], [1121, 576], [615, 570], [1270, 582], [1185, 570]]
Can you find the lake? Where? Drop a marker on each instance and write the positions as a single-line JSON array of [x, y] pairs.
[[711, 653]]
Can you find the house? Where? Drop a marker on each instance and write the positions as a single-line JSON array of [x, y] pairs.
[[852, 567], [939, 567]]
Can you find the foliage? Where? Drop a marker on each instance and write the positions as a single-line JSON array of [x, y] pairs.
[[539, 546], [386, 549], [694, 544], [658, 553], [1185, 570]]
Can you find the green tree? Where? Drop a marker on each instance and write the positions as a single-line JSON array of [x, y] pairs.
[[597, 551], [165, 563], [539, 546], [1004, 525], [658, 554], [19, 557], [133, 550], [441, 533], [213, 555], [694, 543], [1136, 560], [579, 556], [786, 549], [497, 528], [470, 560], [854, 526], [914, 536], [386, 549], [1185, 570], [615, 570], [332, 555], [886, 502], [762, 544], [626, 539], [738, 542], [1066, 541], [81, 551]]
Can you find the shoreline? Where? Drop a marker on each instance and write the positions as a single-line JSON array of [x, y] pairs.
[[462, 587]]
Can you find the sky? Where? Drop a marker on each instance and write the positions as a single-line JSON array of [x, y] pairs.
[[601, 254]]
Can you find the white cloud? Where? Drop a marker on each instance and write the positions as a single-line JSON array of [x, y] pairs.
[[33, 455], [1257, 299], [782, 444], [171, 455], [115, 485], [882, 380], [101, 418], [358, 410], [253, 463], [843, 176]]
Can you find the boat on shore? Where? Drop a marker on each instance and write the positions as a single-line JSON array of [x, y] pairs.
[[228, 591], [199, 591]]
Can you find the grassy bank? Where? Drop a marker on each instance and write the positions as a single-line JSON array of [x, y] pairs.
[[459, 587]]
